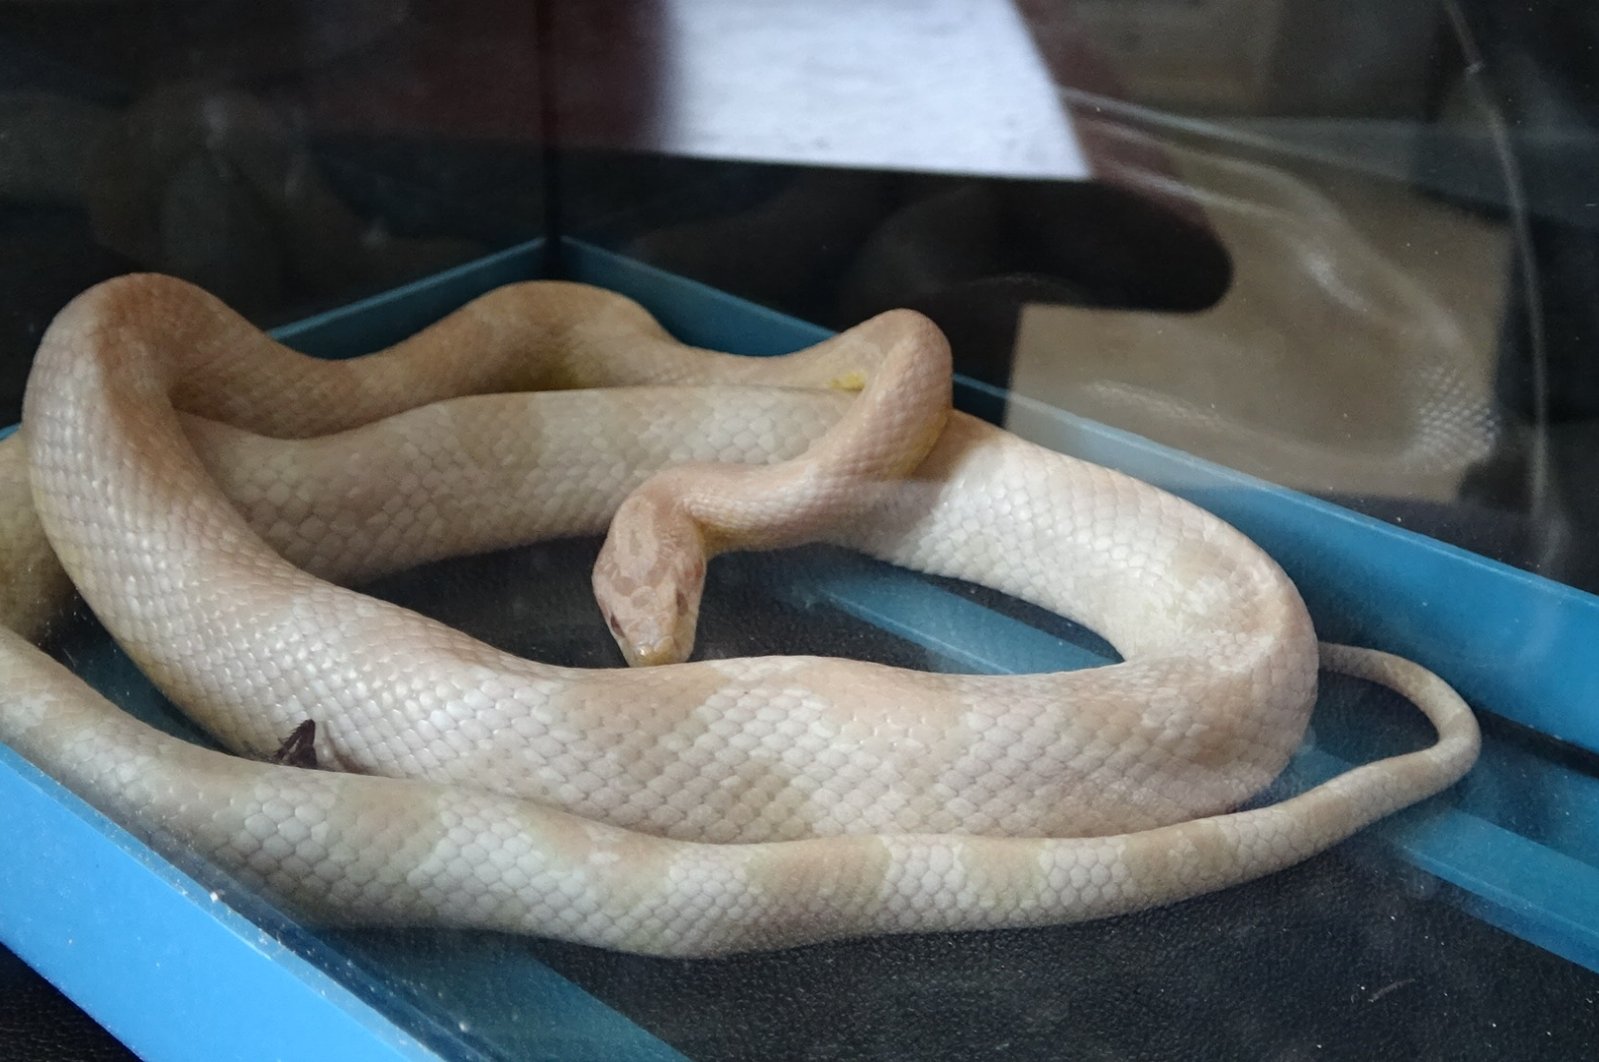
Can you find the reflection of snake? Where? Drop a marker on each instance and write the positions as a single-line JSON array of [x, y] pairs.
[[1083, 784], [1250, 390]]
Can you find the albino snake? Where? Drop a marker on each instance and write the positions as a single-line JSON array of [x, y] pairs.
[[687, 809]]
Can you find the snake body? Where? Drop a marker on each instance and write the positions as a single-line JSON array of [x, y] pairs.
[[199, 483]]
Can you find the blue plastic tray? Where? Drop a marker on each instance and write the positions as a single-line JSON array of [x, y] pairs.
[[179, 969]]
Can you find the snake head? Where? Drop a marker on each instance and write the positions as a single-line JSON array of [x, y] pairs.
[[649, 578]]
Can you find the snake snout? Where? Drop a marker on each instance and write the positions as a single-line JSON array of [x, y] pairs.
[[653, 625], [648, 581]]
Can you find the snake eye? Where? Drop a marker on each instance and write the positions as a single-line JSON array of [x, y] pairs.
[[615, 624]]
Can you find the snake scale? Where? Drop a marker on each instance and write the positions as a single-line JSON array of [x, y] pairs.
[[205, 489]]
